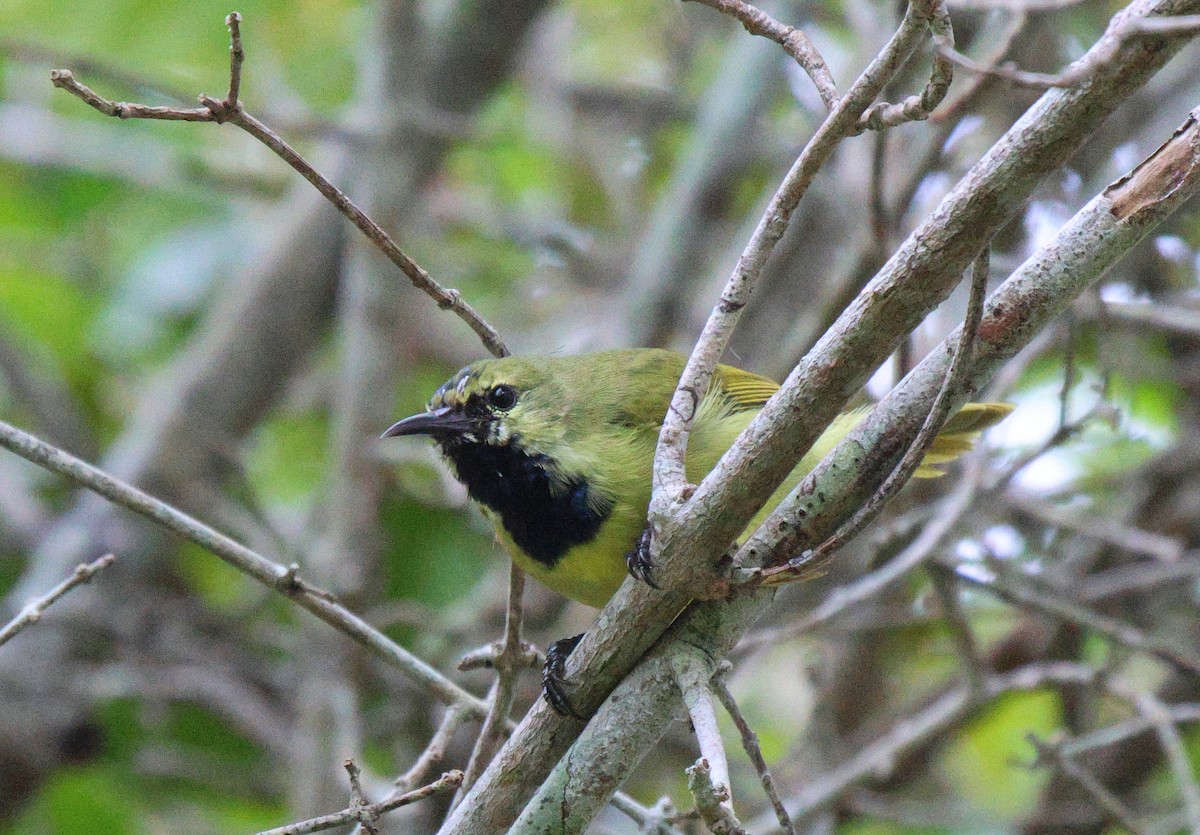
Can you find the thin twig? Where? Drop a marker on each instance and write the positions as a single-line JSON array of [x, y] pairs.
[[1020, 591], [753, 751], [513, 656], [670, 477], [1053, 753], [281, 578], [236, 56], [880, 756], [932, 535], [883, 115], [427, 762], [1101, 527], [32, 612], [1137, 577], [1169, 318], [1131, 727], [356, 812], [230, 110], [1013, 6], [366, 817], [1080, 71], [1177, 756], [945, 586], [794, 41], [434, 753], [1001, 45]]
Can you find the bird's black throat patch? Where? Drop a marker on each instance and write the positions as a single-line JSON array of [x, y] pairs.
[[544, 516]]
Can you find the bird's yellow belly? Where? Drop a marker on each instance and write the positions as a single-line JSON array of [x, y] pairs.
[[592, 571]]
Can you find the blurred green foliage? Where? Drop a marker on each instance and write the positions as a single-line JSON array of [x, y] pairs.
[[94, 290]]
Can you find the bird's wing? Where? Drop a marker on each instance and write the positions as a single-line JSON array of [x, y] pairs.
[[745, 390]]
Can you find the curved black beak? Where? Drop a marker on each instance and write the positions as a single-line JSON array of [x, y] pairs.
[[443, 421]]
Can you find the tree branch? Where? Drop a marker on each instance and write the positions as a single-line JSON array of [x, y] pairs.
[[710, 775], [753, 750], [670, 478], [1095, 239], [231, 110], [271, 574], [359, 811], [794, 41], [33, 610]]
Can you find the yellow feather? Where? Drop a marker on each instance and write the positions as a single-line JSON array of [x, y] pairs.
[[746, 390]]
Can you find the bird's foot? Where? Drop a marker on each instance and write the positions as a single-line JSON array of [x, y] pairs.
[[638, 559], [554, 676]]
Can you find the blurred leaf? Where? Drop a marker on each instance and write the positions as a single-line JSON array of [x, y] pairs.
[[988, 762], [287, 456], [82, 799], [434, 556]]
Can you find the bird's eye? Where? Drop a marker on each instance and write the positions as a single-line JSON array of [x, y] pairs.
[[502, 397]]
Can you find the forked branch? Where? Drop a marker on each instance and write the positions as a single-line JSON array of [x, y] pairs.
[[231, 110]]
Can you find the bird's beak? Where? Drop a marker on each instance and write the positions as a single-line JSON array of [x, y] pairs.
[[444, 421]]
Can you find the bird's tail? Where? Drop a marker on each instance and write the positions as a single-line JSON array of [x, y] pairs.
[[959, 435]]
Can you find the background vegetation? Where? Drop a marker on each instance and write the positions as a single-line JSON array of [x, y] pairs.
[[179, 307]]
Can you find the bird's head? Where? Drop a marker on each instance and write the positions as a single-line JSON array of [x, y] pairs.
[[493, 402]]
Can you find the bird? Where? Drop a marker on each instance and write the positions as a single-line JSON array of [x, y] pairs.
[[558, 451]]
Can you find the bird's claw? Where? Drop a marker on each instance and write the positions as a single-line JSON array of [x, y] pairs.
[[638, 560], [554, 676]]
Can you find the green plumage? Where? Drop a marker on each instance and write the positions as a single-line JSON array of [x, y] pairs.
[[559, 451]]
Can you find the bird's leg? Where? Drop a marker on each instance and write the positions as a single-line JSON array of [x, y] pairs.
[[554, 676], [638, 559]]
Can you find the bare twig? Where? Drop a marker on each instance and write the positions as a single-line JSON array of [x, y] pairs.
[[231, 110], [753, 751], [945, 586], [793, 40], [427, 762], [693, 679], [32, 612], [932, 535], [433, 754], [1001, 44], [1170, 318], [880, 756], [712, 800], [366, 817], [236, 56], [360, 812], [1166, 26], [657, 820], [271, 574], [1053, 753], [1019, 590], [1133, 726], [1177, 757], [513, 656], [1137, 577], [1096, 526], [883, 115], [1080, 71], [1014, 6]]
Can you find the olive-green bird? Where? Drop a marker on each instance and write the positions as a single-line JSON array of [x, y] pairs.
[[559, 451]]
